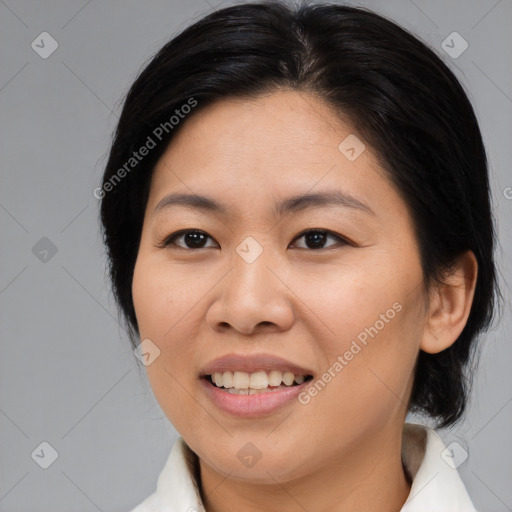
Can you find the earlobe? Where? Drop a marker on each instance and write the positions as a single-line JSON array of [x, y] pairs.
[[450, 305]]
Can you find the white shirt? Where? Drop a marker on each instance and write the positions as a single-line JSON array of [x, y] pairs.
[[436, 486]]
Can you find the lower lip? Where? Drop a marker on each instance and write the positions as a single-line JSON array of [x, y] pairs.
[[250, 406]]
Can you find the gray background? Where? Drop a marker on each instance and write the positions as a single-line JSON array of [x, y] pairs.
[[67, 372]]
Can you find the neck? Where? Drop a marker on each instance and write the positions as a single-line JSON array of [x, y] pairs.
[[370, 477]]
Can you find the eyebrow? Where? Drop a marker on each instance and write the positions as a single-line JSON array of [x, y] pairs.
[[290, 205]]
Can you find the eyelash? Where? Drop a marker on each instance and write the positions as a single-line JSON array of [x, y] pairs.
[[169, 241]]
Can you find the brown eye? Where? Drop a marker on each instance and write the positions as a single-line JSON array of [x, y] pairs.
[[316, 238], [191, 239]]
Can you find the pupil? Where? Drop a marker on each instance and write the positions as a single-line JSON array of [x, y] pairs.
[[318, 238], [194, 239]]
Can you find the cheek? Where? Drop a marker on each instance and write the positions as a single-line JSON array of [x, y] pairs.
[[343, 301], [373, 298], [368, 327], [164, 306], [162, 296]]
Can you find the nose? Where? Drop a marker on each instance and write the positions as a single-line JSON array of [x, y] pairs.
[[252, 298]]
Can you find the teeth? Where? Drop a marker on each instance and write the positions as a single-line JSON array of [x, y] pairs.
[[275, 378], [240, 380], [251, 383], [249, 391], [227, 379], [288, 378], [258, 380]]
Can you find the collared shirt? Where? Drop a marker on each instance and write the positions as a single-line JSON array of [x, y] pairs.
[[436, 485]]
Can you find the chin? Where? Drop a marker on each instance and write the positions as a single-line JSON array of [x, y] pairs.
[[258, 461]]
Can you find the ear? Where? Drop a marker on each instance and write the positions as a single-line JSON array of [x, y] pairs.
[[450, 305]]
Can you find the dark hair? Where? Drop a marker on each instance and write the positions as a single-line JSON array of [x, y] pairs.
[[396, 93]]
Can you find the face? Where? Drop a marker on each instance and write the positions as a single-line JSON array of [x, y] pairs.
[[330, 289]]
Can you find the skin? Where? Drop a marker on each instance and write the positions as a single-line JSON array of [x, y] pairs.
[[341, 451]]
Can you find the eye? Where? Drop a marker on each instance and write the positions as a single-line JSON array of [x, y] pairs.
[[315, 238], [194, 239]]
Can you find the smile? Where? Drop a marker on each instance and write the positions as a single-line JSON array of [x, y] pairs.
[[244, 383], [253, 385]]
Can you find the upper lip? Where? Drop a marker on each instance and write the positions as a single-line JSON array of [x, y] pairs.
[[251, 363]]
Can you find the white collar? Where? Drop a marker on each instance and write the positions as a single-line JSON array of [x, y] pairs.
[[435, 485]]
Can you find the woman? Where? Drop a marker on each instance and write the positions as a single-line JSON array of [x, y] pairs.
[[297, 216]]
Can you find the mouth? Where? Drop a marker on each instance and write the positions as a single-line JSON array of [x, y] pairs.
[[245, 383], [255, 385]]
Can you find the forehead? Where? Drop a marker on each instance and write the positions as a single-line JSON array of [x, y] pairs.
[[278, 145], [286, 123]]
